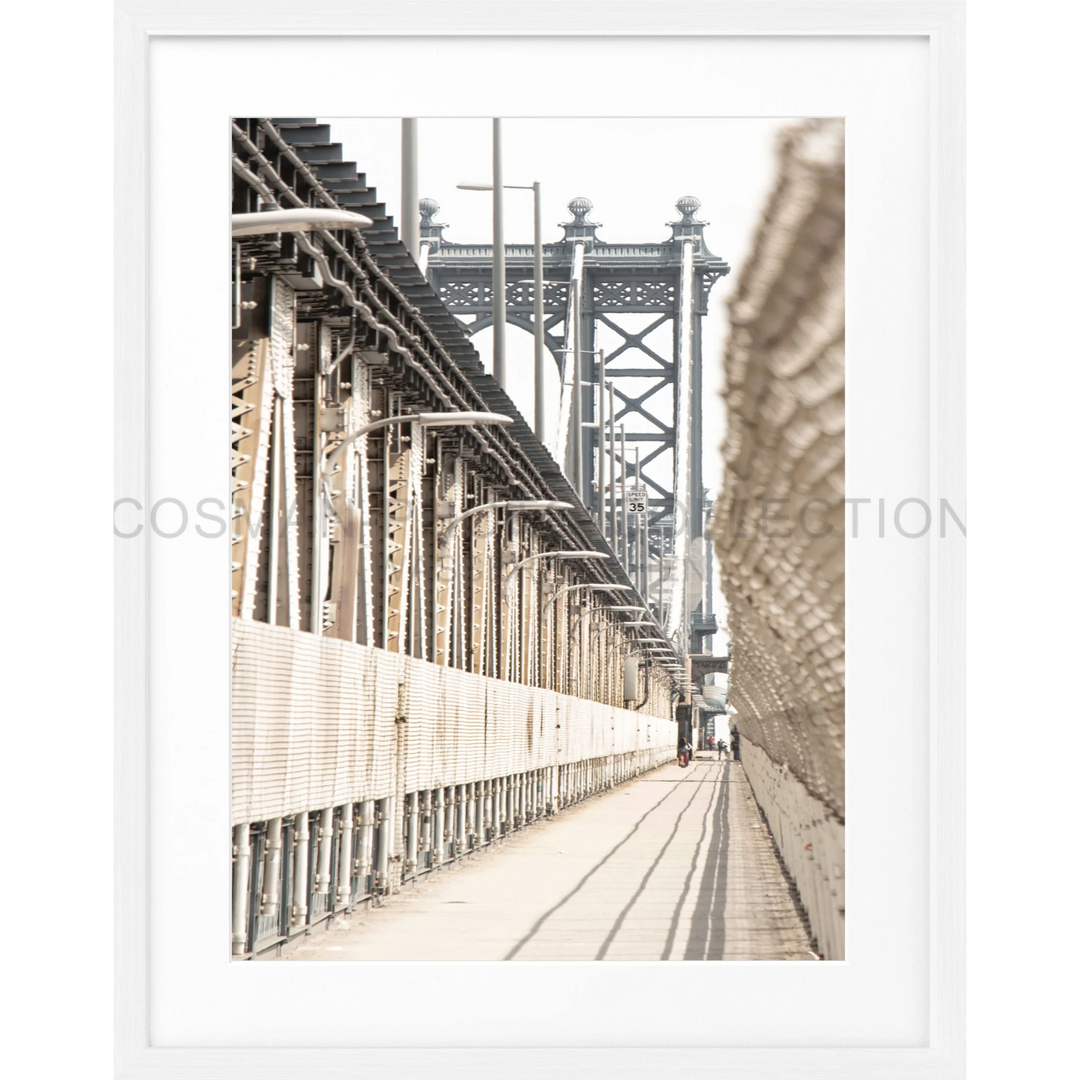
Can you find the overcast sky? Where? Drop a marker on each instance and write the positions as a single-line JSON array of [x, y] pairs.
[[633, 171]]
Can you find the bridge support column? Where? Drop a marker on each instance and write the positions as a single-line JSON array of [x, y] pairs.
[[382, 857], [395, 831], [272, 867], [326, 841], [425, 825], [462, 840], [300, 870], [437, 831], [241, 875], [345, 857], [412, 850], [367, 840]]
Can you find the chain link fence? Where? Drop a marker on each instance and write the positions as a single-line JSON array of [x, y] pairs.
[[779, 525]]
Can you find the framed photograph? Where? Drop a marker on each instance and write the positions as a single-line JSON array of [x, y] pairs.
[[894, 1002]]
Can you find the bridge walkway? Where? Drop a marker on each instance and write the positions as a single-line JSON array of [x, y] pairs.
[[675, 865]]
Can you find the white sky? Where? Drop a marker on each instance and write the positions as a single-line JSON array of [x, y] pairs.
[[633, 171]]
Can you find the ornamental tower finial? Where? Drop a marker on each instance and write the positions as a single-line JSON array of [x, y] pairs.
[[581, 228], [428, 209], [688, 226], [430, 229], [688, 206]]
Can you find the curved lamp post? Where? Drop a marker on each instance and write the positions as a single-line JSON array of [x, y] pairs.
[[435, 419], [298, 219], [440, 419], [595, 586], [555, 555], [603, 586], [502, 504]]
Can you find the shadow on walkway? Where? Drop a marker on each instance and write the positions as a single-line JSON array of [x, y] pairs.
[[706, 930]]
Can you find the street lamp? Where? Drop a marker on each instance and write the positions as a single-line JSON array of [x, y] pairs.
[[297, 219], [438, 419], [533, 559], [499, 302], [579, 436], [556, 555], [329, 466], [595, 586], [603, 586], [503, 504]]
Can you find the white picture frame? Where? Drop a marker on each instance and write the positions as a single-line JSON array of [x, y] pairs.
[[137, 27]]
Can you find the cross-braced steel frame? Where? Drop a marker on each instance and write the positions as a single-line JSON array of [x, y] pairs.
[[654, 369]]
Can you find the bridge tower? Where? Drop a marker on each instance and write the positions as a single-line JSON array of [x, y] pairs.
[[642, 305]]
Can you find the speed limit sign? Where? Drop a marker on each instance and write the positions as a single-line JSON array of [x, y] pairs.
[[637, 500]]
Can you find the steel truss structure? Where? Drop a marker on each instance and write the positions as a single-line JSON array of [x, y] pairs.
[[593, 289], [367, 563]]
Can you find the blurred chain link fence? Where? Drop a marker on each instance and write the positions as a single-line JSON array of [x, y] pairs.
[[779, 525]]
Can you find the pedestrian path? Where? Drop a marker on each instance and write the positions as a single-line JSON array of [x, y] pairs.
[[676, 865]]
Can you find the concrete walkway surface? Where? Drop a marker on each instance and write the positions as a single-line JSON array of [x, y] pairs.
[[675, 865]]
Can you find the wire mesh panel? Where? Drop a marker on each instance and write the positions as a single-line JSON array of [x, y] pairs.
[[355, 727]]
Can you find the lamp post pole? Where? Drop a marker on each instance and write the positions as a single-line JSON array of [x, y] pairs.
[[498, 262], [498, 279], [577, 417], [614, 526], [642, 526], [539, 420], [622, 496], [601, 457], [410, 192]]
